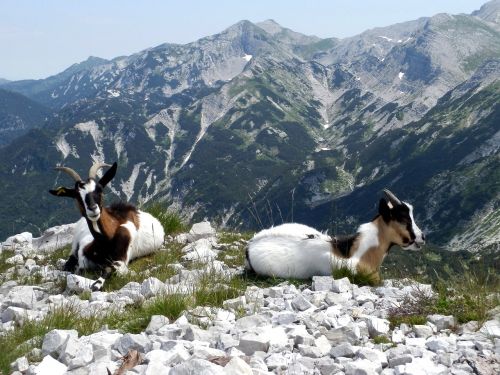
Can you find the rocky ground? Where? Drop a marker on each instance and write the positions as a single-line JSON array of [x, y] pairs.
[[324, 327]]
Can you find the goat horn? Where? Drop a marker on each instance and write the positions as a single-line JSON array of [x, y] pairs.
[[71, 172], [93, 170], [392, 198]]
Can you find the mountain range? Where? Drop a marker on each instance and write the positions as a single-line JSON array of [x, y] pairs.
[[260, 124]]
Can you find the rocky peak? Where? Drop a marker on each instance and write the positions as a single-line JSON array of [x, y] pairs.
[[489, 12]]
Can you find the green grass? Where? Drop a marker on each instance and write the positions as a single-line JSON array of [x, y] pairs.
[[172, 221], [382, 339], [359, 278], [468, 296], [30, 334]]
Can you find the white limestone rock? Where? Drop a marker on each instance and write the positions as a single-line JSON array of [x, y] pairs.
[[442, 321], [50, 366], [251, 343], [377, 326], [152, 287], [139, 342], [202, 230], [54, 341], [362, 367], [78, 284], [341, 285], [237, 366], [198, 367]]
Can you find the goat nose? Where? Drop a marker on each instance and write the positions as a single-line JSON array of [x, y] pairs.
[[94, 207]]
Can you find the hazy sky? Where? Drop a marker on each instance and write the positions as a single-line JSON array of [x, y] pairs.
[[39, 38]]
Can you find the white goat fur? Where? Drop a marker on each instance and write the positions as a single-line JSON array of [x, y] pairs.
[[298, 251], [143, 241]]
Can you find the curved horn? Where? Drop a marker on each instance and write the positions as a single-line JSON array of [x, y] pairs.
[[391, 197], [93, 170], [71, 172]]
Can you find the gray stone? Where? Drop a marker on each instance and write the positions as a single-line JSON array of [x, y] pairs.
[[78, 284], [198, 367], [422, 331], [375, 356], [54, 341], [154, 368], [377, 326], [301, 303], [174, 355], [437, 343], [276, 361], [76, 353], [102, 342], [285, 317], [18, 314], [139, 342], [21, 364], [156, 322], [343, 334], [442, 321], [237, 366], [399, 360], [362, 367], [276, 292], [251, 343], [310, 351], [201, 230], [322, 283], [206, 352], [248, 322], [50, 366], [323, 344], [132, 290], [235, 303], [327, 366], [22, 296], [169, 331], [342, 285], [201, 250], [152, 287], [343, 350], [491, 329]]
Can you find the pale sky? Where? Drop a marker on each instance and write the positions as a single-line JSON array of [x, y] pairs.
[[39, 38]]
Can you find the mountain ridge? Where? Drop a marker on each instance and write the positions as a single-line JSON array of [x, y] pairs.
[[250, 128]]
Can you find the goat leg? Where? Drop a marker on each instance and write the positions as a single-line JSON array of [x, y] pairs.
[[71, 263]]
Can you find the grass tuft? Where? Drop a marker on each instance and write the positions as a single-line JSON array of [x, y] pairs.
[[360, 278], [467, 296], [172, 221]]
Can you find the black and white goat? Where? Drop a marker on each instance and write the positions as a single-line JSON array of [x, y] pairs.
[[107, 238], [298, 251]]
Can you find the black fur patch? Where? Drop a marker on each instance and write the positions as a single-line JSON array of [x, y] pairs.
[[344, 244], [71, 263], [247, 255]]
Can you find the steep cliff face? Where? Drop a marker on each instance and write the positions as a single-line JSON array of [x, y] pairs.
[[260, 124]]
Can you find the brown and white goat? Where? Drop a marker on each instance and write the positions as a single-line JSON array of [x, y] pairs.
[[107, 238], [298, 251]]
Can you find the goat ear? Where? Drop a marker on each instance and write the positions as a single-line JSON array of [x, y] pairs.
[[384, 210], [63, 192], [108, 176]]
